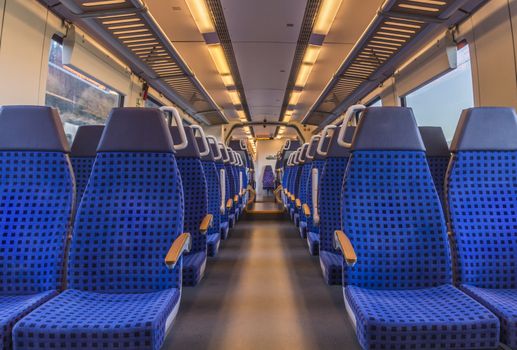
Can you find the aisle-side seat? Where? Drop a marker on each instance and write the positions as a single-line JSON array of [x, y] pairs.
[[304, 194], [438, 156], [228, 200], [292, 183], [213, 235], [329, 201], [197, 219], [311, 208], [36, 199], [397, 284], [230, 172], [268, 179], [82, 155], [482, 202], [297, 204], [124, 270]]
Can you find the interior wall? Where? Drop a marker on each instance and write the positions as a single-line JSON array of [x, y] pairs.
[[265, 148]]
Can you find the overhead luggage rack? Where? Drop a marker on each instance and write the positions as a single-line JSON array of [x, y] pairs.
[[128, 28], [398, 30]]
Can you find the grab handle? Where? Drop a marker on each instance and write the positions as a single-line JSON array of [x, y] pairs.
[[315, 137], [203, 138], [287, 144], [212, 140], [243, 145], [324, 133], [224, 152], [183, 137], [349, 113]]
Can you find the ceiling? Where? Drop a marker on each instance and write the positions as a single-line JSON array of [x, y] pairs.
[[264, 35]]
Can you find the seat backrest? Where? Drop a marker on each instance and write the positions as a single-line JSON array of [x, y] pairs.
[[306, 171], [132, 208], [482, 197], [438, 156], [195, 190], [213, 186], [269, 178], [331, 184], [222, 169], [82, 155], [390, 209], [36, 198]]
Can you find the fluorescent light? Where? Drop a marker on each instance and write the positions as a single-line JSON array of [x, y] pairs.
[[234, 96], [311, 54], [241, 115], [201, 15], [326, 15], [303, 75], [219, 58], [228, 80], [295, 96]]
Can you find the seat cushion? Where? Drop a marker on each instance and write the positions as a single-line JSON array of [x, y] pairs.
[[503, 303], [212, 242], [193, 268], [313, 240], [331, 266], [431, 318], [13, 308], [88, 320]]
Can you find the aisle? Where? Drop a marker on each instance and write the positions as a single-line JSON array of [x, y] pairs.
[[263, 291]]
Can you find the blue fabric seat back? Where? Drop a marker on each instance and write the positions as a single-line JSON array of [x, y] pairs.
[[438, 156], [482, 197], [268, 180], [131, 211], [82, 155], [331, 184], [195, 192], [305, 179], [390, 208], [213, 187], [36, 198]]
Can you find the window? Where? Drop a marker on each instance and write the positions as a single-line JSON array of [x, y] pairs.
[[377, 102], [151, 102], [440, 102], [80, 100]]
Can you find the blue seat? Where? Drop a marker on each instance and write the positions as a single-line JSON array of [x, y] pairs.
[[438, 156], [236, 185], [36, 199], [121, 294], [482, 202], [399, 290], [221, 165], [213, 235], [268, 178], [298, 188], [305, 192], [329, 203], [82, 155], [195, 194]]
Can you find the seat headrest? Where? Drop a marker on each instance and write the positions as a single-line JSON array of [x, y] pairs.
[[191, 151], [434, 141], [303, 153], [235, 145], [324, 147], [213, 151], [231, 156], [86, 141], [486, 129], [313, 145], [200, 145], [335, 150], [31, 128], [135, 129], [295, 144], [387, 128]]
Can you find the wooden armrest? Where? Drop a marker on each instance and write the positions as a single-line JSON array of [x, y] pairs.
[[206, 223], [178, 247], [306, 210], [236, 198], [293, 198], [342, 243], [298, 203], [229, 203]]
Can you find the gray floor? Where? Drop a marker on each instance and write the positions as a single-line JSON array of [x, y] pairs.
[[263, 291]]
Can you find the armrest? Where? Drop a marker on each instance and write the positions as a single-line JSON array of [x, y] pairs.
[[285, 190], [178, 247], [342, 243], [236, 198], [306, 210], [293, 198], [206, 223], [298, 203], [229, 203]]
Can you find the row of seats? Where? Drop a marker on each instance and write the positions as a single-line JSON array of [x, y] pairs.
[[98, 239], [423, 242]]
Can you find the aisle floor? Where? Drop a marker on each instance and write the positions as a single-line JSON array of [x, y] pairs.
[[263, 291]]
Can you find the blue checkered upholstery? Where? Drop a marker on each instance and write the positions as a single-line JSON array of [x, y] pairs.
[[268, 179], [302, 190], [196, 207], [120, 292], [82, 167], [214, 204], [36, 199], [482, 204], [438, 167], [331, 180], [400, 292], [224, 216], [314, 238]]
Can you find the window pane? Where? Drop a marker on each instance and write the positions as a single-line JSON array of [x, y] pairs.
[[376, 103], [79, 99], [152, 103], [440, 102]]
